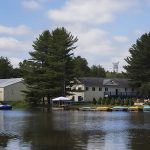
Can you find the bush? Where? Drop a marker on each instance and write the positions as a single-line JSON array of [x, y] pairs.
[[107, 101], [131, 102], [112, 102], [94, 101], [126, 102], [99, 101], [117, 102]]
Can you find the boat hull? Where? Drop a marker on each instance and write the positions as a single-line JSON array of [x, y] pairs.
[[5, 107]]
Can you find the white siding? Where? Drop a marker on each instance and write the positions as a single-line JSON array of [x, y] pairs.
[[1, 94], [80, 92], [14, 92], [89, 95]]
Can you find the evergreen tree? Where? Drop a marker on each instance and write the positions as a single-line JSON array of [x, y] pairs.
[[49, 71], [103, 101], [126, 102], [117, 101], [99, 101], [112, 101], [94, 101], [138, 63], [107, 101], [115, 74], [6, 69], [97, 71], [81, 68]]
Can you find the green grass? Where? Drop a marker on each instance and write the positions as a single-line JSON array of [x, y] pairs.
[[19, 104]]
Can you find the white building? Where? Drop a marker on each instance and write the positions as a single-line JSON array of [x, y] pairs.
[[88, 88], [11, 89]]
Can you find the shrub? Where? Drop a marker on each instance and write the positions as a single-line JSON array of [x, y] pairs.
[[94, 101], [99, 101]]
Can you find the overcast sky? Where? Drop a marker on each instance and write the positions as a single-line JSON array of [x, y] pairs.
[[106, 29]]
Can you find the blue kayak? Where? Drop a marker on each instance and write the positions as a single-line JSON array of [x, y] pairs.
[[5, 107]]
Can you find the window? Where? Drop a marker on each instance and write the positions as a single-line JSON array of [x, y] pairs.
[[87, 88], [80, 98], [100, 89], [126, 89], [79, 88], [93, 88], [132, 89], [106, 89]]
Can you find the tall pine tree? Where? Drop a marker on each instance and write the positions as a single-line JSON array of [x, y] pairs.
[[138, 63], [49, 71]]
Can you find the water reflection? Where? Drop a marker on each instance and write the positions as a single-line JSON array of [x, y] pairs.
[[74, 130]]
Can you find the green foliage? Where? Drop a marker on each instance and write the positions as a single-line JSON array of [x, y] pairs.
[[19, 104], [50, 69], [117, 101], [94, 101], [131, 102], [122, 102], [138, 63], [107, 101], [103, 101], [6, 68], [126, 102], [80, 68], [115, 75], [97, 71], [145, 89], [112, 102], [99, 101]]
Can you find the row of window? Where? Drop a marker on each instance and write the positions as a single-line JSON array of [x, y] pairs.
[[106, 89]]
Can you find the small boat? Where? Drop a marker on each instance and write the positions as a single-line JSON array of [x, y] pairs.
[[87, 108], [146, 108], [135, 108], [120, 108], [103, 108], [5, 107]]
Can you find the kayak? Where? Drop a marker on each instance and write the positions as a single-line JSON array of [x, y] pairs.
[[5, 107]]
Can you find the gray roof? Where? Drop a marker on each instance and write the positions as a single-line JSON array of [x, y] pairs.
[[95, 81], [7, 82]]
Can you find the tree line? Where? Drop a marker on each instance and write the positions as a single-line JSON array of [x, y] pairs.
[[52, 65]]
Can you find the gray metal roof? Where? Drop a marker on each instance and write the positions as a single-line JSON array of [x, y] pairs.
[[95, 81], [7, 82]]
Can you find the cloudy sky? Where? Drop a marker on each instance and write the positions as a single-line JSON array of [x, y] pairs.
[[106, 29]]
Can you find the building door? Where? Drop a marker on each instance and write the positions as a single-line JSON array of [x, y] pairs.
[[116, 92]]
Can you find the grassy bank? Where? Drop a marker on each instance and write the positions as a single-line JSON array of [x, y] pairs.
[[19, 104]]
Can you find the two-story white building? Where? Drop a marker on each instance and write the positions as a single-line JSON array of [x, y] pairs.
[[88, 88]]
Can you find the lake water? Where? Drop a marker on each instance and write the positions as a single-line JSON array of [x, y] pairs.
[[74, 130]]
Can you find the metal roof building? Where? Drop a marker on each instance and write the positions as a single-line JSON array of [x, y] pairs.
[[11, 89]]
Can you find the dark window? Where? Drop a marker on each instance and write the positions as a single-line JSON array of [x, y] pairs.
[[93, 88], [79, 88], [80, 98], [132, 89], [126, 89], [106, 89], [100, 89], [87, 88]]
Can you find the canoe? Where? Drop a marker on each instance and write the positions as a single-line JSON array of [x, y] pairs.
[[146, 108], [103, 108], [135, 108], [87, 108], [5, 107], [120, 108]]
